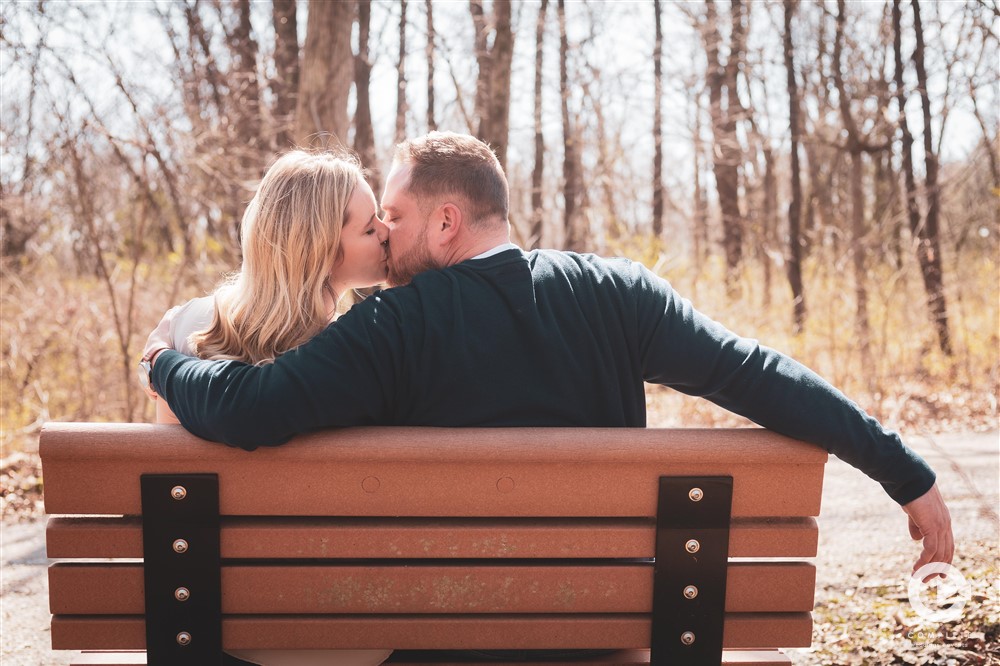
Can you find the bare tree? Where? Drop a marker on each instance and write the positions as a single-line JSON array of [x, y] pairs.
[[538, 171], [725, 110], [364, 135], [326, 75], [571, 177], [657, 123], [493, 84], [857, 146], [401, 76], [795, 205], [285, 84], [927, 234], [431, 121]]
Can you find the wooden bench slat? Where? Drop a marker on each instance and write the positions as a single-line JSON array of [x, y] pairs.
[[457, 490], [434, 471], [117, 589], [92, 441], [321, 538], [409, 658], [742, 630]]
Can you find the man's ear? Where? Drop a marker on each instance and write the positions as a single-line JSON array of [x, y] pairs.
[[446, 222]]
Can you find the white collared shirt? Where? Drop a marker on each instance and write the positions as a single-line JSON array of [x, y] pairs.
[[503, 247]]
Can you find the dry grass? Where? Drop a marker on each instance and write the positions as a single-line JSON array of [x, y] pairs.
[[65, 360]]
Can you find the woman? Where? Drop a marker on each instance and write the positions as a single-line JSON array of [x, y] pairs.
[[309, 239]]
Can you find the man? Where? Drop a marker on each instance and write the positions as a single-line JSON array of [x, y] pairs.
[[480, 333]]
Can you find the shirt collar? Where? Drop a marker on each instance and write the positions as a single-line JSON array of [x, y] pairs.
[[503, 247]]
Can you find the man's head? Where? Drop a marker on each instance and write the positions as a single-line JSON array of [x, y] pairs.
[[445, 200]]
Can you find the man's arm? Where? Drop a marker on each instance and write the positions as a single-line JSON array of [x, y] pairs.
[[335, 379], [686, 350]]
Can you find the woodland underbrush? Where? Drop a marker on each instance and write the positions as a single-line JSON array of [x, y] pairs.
[[70, 342]]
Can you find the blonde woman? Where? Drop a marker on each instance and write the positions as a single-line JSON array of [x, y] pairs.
[[308, 239]]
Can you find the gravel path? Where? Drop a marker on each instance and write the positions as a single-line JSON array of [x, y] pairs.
[[863, 541]]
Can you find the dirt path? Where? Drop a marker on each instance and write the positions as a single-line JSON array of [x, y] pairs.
[[865, 554]]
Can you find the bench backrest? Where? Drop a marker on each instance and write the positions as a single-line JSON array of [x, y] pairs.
[[449, 538]]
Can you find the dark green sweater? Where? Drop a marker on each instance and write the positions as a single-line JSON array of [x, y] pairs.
[[542, 338]]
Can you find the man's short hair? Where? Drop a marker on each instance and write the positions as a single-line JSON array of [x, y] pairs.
[[446, 163]]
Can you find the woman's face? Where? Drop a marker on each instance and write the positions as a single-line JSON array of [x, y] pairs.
[[362, 256]]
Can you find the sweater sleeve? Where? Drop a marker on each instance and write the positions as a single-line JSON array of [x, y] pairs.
[[335, 379], [685, 350]]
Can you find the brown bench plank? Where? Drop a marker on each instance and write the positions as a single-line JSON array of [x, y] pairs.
[[742, 630], [619, 658], [322, 538], [117, 589], [435, 471]]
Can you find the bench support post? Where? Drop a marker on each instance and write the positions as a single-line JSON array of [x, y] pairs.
[[182, 569], [689, 580]]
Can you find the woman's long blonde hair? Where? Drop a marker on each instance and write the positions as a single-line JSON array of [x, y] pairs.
[[290, 236]]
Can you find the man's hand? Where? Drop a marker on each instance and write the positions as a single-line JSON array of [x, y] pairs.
[[930, 521]]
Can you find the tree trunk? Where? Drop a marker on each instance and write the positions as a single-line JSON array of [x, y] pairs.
[[930, 241], [431, 122], [700, 232], [538, 172], [364, 135], [326, 75], [401, 77], [795, 206], [570, 177], [854, 148], [244, 87], [657, 123], [493, 84], [728, 154], [285, 84]]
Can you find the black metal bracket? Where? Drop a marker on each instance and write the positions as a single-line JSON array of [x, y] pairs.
[[182, 570], [689, 580]]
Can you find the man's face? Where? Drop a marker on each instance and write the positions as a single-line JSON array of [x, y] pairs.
[[405, 228]]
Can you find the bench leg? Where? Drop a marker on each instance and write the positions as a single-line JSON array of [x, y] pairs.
[[689, 577]]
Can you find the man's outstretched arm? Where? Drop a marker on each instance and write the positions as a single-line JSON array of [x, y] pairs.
[[689, 352]]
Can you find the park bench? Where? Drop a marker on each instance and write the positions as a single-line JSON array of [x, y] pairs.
[[432, 539]]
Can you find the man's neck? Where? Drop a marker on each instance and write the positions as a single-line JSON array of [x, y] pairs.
[[476, 246]]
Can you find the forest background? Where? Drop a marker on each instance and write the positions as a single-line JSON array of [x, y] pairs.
[[820, 175]]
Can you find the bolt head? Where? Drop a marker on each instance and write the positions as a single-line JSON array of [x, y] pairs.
[[182, 594], [178, 492], [690, 592], [687, 638], [692, 546], [695, 494], [180, 546], [184, 638]]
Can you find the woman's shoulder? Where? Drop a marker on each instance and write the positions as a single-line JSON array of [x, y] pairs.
[[193, 316]]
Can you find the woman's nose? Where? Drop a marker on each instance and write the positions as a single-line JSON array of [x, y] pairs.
[[382, 232]]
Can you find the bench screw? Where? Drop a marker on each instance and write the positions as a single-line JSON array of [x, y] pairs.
[[696, 494], [690, 592], [182, 594], [178, 492], [692, 546], [184, 638], [687, 638], [180, 546]]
